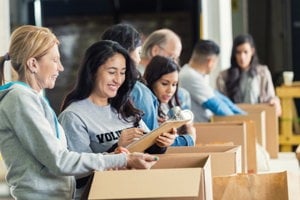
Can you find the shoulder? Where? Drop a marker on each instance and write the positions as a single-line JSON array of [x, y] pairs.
[[78, 106], [263, 70], [140, 90], [76, 110], [188, 74], [182, 91], [140, 87], [185, 69], [19, 95], [223, 74]]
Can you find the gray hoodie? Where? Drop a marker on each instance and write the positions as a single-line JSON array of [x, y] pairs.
[[34, 149]]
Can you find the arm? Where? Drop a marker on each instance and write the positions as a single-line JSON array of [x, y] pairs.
[[217, 106], [267, 94], [188, 137], [144, 100], [183, 140], [36, 134], [235, 109]]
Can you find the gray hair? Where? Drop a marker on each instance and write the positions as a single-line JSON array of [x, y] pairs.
[[158, 37]]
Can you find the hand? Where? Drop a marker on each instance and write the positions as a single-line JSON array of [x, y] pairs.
[[129, 135], [140, 160], [162, 119], [276, 102], [121, 150], [166, 139]]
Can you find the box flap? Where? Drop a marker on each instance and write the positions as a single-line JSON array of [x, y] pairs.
[[231, 155], [203, 149], [181, 160]]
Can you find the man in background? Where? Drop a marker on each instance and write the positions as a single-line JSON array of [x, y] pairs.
[[205, 101], [164, 42]]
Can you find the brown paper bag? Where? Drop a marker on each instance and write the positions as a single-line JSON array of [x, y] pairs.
[[269, 186]]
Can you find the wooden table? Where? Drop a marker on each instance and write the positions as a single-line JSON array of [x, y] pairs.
[[287, 137]]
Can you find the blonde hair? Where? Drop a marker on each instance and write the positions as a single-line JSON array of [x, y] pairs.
[[27, 42]]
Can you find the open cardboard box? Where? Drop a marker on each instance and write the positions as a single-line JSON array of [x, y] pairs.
[[180, 177], [272, 127], [239, 133], [258, 116], [225, 160]]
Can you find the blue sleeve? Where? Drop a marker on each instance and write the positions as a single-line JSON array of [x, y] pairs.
[[144, 100], [183, 140], [234, 108], [217, 106]]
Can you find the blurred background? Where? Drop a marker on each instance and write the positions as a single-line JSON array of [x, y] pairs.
[[274, 24]]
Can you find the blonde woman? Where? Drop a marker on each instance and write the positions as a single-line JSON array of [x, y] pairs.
[[32, 142]]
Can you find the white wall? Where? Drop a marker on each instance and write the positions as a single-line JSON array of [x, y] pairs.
[[5, 33], [217, 26]]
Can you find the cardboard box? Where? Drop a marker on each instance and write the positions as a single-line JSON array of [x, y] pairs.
[[272, 127], [259, 118], [180, 177], [231, 155], [239, 133]]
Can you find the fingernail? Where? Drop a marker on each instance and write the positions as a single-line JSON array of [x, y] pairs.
[[155, 158]]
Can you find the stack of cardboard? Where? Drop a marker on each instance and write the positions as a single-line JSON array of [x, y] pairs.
[[239, 133], [257, 116], [272, 125]]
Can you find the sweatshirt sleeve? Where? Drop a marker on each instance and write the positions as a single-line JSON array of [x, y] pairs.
[[76, 132], [31, 122]]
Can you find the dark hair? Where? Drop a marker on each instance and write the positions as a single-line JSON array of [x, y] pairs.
[[157, 67], [127, 36], [95, 56], [206, 48], [232, 83]]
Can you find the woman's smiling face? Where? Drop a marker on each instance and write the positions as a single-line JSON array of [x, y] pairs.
[[110, 76]]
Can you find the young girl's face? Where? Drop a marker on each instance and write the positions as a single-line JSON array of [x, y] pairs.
[[165, 87], [243, 55]]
